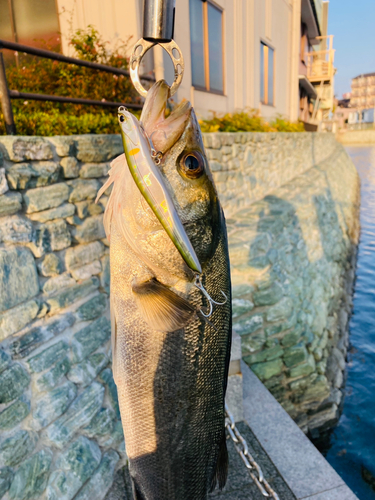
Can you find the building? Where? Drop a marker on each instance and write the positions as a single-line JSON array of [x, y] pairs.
[[264, 54], [363, 91], [356, 111], [317, 66]]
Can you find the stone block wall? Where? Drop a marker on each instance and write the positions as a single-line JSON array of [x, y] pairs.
[[292, 206], [60, 430], [248, 166], [291, 203]]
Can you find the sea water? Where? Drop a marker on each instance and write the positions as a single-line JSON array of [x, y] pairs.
[[352, 443]]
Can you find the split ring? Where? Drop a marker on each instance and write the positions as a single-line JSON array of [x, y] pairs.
[[174, 53]]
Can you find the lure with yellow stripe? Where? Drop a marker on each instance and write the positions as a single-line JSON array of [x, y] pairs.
[[152, 186]]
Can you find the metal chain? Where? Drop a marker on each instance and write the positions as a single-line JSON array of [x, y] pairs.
[[242, 448]]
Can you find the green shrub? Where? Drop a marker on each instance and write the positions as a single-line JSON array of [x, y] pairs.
[[55, 122], [248, 121], [44, 76], [279, 124]]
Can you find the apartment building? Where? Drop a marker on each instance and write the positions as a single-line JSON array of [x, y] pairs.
[[363, 91], [238, 53]]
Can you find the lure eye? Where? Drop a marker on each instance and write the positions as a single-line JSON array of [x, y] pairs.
[[192, 165], [122, 118]]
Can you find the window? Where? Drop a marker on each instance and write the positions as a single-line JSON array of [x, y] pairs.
[[267, 77], [206, 39]]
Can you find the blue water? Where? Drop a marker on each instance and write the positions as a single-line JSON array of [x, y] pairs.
[[353, 440]]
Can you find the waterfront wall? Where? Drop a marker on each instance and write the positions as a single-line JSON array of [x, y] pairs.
[[291, 206], [354, 137], [248, 166], [60, 430]]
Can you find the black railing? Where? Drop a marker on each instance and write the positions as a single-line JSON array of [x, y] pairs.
[[6, 94]]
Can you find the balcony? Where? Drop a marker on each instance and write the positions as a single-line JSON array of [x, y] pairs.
[[320, 62]]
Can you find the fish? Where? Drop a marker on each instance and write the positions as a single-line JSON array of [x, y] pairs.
[[170, 301]]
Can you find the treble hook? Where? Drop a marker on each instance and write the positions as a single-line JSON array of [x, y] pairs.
[[155, 155], [211, 301]]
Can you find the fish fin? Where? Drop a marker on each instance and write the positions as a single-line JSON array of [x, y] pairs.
[[113, 338], [221, 473], [161, 308], [116, 166]]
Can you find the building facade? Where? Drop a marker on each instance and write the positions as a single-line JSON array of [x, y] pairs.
[[238, 54], [363, 91]]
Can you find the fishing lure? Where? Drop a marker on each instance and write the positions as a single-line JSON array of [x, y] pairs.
[[150, 182]]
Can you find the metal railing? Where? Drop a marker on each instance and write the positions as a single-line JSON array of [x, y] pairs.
[[320, 62], [6, 94]]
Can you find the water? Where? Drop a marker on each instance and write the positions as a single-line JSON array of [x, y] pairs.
[[352, 443]]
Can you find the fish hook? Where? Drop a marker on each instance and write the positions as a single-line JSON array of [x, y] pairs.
[[211, 301], [155, 155]]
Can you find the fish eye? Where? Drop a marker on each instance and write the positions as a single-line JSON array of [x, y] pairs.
[[192, 165]]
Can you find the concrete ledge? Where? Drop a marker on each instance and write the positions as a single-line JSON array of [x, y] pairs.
[[356, 137], [234, 395], [303, 468], [340, 493]]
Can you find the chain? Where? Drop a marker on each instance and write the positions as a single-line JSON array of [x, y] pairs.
[[254, 469]]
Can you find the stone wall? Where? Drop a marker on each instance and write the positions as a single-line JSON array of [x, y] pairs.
[[356, 136], [248, 166], [60, 430], [291, 206], [292, 215]]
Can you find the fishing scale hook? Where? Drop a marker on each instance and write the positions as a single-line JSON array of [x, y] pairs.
[[158, 29], [211, 301]]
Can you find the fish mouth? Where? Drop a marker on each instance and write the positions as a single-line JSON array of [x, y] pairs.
[[163, 132]]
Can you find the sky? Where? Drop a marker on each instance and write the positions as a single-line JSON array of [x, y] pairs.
[[352, 22]]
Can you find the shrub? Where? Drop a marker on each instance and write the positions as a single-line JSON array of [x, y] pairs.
[[44, 76], [248, 121], [54, 122]]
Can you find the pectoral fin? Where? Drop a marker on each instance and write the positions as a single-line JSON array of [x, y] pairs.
[[161, 308]]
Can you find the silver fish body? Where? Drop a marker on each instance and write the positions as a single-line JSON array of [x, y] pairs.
[[170, 363]]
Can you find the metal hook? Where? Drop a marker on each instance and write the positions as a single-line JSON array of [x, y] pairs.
[[140, 49], [211, 301], [155, 155]]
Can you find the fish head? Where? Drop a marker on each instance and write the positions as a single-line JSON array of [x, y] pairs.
[[184, 167]]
